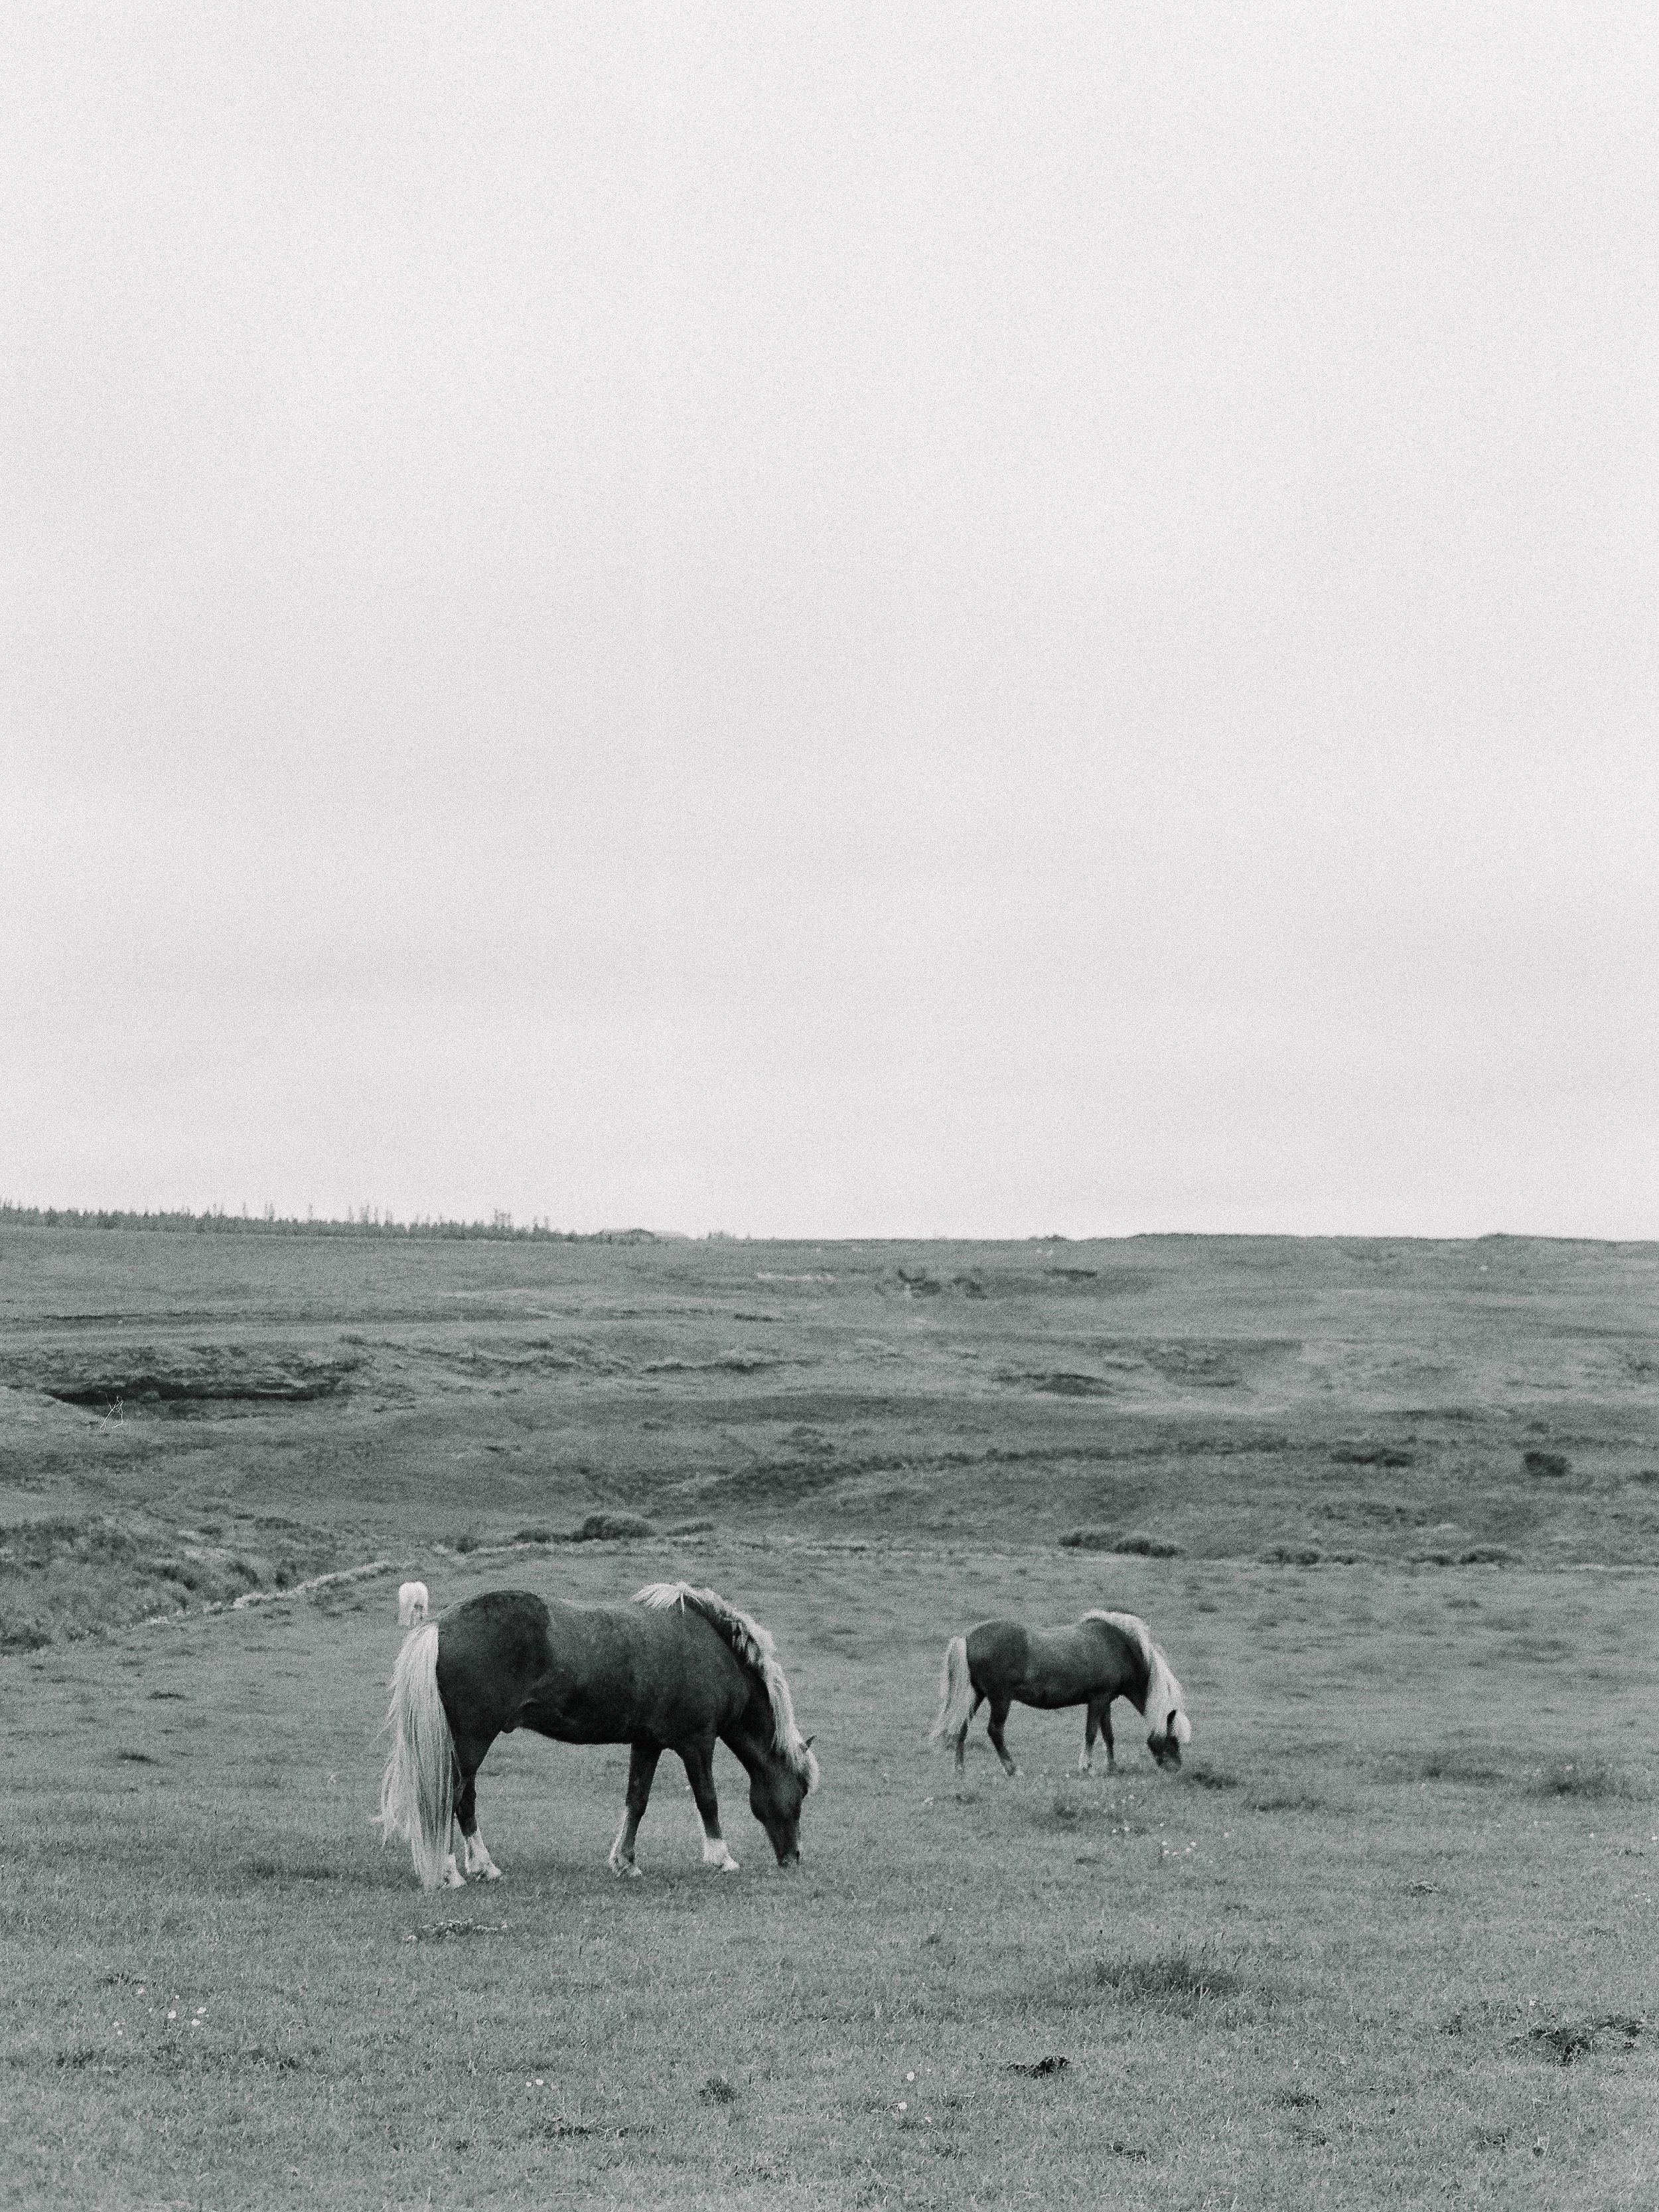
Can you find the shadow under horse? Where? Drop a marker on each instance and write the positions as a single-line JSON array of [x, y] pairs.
[[1102, 1656], [675, 1670]]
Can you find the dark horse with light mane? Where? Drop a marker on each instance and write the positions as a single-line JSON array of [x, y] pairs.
[[674, 1671], [1102, 1656]]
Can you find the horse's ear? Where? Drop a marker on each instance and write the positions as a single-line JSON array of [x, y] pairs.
[[811, 1741]]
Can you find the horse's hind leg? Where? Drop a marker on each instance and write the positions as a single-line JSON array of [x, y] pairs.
[[642, 1772], [698, 1759], [961, 1733], [994, 1730], [474, 1850]]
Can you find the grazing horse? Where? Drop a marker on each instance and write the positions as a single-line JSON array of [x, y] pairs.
[[412, 1602], [674, 1671], [1102, 1656]]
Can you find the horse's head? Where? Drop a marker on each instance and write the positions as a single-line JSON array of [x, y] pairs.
[[1165, 1743], [778, 1788]]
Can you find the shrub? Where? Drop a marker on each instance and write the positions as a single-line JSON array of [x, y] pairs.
[[1545, 1463], [609, 1527], [1104, 1539]]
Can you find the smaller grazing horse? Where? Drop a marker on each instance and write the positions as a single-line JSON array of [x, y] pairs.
[[1102, 1656], [675, 1670], [411, 1604]]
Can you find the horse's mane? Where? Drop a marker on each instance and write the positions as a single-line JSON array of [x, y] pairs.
[[755, 1649], [1165, 1695]]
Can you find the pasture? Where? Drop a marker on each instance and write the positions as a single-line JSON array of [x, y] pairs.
[[1388, 1937]]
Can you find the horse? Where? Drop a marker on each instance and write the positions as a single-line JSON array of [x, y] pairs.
[[672, 1671], [1102, 1656], [411, 1604]]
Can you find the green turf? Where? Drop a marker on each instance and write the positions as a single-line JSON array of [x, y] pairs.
[[1416, 1827]]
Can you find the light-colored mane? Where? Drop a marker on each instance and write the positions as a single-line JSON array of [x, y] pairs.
[[755, 1649], [1165, 1695]]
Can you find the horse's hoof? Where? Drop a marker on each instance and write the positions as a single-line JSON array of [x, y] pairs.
[[729, 1866], [490, 1874]]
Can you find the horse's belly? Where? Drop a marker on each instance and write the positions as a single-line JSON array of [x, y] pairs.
[[1048, 1697], [578, 1720]]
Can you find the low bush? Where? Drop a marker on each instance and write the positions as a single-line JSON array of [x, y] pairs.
[[609, 1527], [1104, 1539]]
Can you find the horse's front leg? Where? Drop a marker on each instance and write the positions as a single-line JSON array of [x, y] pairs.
[[1099, 1724], [642, 1772], [994, 1730], [698, 1759]]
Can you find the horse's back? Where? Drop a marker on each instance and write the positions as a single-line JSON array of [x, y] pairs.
[[1043, 1666], [585, 1673]]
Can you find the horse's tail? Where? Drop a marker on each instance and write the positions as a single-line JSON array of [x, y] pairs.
[[417, 1791], [956, 1695]]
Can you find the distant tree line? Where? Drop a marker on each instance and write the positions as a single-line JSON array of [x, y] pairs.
[[369, 1221]]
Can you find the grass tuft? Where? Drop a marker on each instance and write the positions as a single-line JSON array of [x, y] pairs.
[[1180, 1979], [1588, 1776]]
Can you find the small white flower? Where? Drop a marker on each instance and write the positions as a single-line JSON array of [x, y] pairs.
[[173, 2015], [909, 2077], [903, 2107]]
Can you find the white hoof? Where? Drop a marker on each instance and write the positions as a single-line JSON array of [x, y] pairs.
[[729, 1865], [624, 1867], [490, 1872], [453, 1878], [1085, 1764]]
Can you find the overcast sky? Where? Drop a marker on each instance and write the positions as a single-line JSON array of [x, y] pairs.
[[909, 619]]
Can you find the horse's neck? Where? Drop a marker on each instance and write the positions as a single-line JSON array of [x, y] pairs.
[[749, 1737]]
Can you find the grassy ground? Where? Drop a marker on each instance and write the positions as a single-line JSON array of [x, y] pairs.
[[1389, 1938]]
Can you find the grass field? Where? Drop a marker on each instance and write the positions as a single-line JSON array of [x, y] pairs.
[[1390, 1937]]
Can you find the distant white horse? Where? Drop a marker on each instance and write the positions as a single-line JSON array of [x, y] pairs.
[[411, 1605]]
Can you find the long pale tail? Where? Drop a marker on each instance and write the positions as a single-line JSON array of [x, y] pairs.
[[956, 1695], [417, 1791]]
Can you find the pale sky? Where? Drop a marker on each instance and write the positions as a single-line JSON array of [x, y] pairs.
[[904, 619]]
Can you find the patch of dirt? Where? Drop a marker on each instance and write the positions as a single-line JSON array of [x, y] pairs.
[[1585, 2039], [202, 1375], [1065, 1382]]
